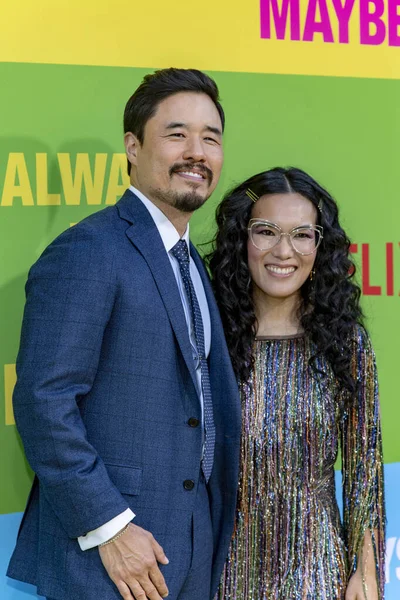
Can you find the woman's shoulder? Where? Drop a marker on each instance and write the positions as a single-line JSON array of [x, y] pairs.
[[361, 342]]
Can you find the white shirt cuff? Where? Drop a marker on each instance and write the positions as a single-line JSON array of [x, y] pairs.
[[107, 531]]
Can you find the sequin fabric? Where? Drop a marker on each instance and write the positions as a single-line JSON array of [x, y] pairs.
[[289, 542]]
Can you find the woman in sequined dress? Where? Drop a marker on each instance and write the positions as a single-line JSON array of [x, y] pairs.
[[284, 283]]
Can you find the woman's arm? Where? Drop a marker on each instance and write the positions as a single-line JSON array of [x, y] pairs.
[[362, 469]]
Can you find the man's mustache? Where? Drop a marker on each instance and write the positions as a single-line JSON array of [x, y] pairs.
[[199, 167]]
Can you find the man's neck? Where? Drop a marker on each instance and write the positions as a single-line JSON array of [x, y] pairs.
[[178, 218]]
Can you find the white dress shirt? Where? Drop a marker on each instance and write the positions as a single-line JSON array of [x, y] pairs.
[[170, 237]]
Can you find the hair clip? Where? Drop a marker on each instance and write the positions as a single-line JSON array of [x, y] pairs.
[[252, 195], [320, 206]]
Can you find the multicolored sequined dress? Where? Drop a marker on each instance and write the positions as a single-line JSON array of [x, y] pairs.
[[289, 542]]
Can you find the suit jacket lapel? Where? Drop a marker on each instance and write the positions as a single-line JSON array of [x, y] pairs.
[[144, 235]]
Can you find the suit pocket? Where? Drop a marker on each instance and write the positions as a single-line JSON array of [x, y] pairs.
[[127, 479]]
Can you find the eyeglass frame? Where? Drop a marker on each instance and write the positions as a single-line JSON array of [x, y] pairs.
[[318, 228]]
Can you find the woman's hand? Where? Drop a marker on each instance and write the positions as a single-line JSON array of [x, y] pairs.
[[363, 584], [355, 588]]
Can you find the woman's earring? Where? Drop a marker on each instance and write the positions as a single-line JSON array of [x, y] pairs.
[[312, 275]]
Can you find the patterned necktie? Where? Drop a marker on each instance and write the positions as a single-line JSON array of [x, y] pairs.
[[181, 253]]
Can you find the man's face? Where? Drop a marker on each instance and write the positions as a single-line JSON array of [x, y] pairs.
[[180, 160]]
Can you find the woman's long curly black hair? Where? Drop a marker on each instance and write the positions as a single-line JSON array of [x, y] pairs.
[[330, 307]]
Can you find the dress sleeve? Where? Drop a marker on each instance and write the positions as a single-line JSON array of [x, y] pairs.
[[362, 462]]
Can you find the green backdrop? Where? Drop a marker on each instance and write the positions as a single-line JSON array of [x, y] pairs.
[[343, 131]]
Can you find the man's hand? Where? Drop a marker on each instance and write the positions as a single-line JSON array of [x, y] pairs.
[[131, 563]]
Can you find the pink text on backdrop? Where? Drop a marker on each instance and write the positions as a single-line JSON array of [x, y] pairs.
[[379, 20]]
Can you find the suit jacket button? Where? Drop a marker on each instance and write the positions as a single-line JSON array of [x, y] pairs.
[[193, 422], [188, 484]]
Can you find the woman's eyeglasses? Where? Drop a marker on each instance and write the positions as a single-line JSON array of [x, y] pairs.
[[304, 239]]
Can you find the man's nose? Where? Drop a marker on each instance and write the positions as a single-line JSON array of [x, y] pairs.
[[194, 150]]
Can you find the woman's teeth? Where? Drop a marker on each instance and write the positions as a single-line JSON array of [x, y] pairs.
[[280, 270]]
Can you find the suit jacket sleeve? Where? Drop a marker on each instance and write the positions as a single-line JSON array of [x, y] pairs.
[[70, 294]]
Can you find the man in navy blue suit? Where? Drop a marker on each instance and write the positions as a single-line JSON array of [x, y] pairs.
[[126, 401]]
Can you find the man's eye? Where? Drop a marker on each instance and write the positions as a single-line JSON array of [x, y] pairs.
[[210, 139], [176, 135]]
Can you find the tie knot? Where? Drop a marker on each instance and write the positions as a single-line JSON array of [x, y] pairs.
[[181, 252]]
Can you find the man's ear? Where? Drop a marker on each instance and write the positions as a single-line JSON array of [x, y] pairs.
[[131, 146]]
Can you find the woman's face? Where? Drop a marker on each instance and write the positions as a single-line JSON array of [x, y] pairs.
[[281, 271]]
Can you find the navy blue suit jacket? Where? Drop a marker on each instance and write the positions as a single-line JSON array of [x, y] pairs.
[[106, 386]]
